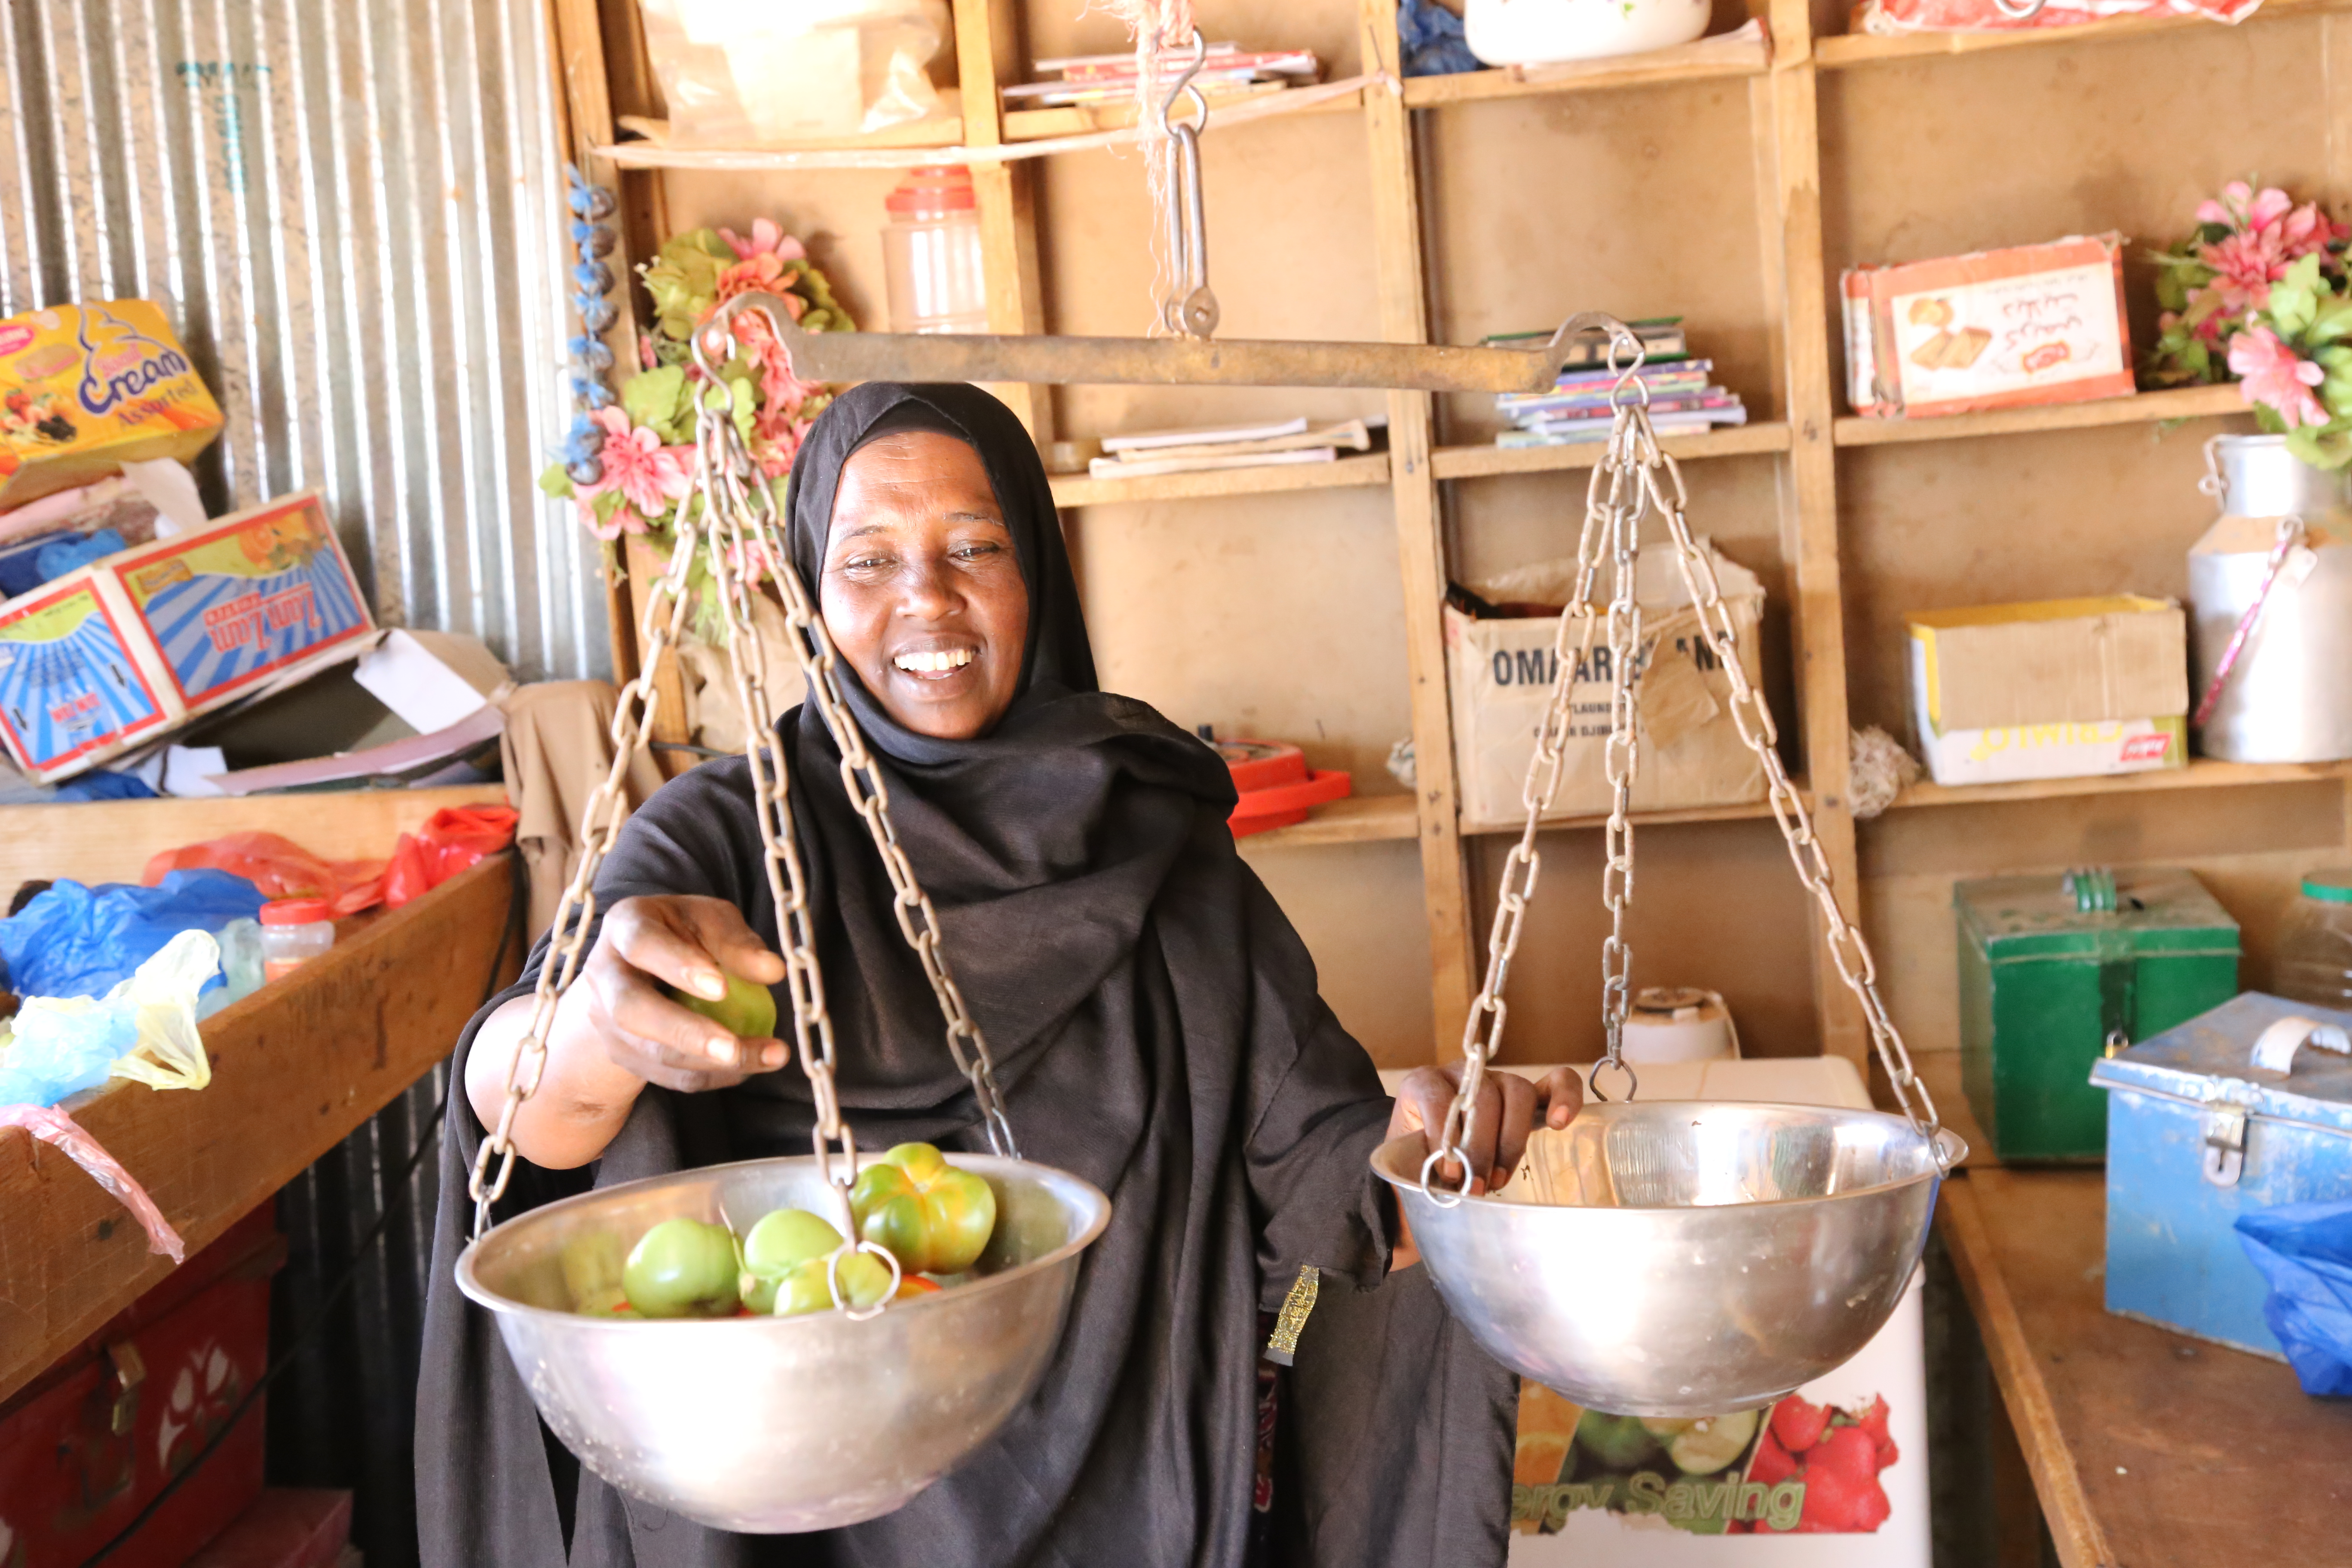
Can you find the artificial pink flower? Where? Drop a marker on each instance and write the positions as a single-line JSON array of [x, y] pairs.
[[624, 519], [753, 274], [651, 478], [2240, 207], [2246, 265], [2307, 231], [767, 239], [774, 450], [2274, 375]]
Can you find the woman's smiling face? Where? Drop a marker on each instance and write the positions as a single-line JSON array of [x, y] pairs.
[[922, 590]]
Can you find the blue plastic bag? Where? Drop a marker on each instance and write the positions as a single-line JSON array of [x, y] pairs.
[[2304, 1251], [74, 940], [1431, 38]]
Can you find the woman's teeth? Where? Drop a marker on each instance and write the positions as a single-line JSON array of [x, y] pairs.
[[933, 663]]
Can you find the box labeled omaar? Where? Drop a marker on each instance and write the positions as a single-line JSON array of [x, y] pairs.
[[79, 683], [2052, 688], [1996, 329], [252, 596], [85, 388]]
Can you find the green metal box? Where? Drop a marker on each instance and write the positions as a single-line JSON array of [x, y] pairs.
[[2056, 968]]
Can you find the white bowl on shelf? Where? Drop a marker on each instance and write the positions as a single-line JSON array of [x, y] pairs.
[[1544, 32]]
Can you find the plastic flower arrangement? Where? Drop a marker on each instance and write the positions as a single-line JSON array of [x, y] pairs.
[[644, 468], [2212, 284], [2294, 360]]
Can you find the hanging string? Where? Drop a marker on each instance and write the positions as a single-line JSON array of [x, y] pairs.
[[1162, 31]]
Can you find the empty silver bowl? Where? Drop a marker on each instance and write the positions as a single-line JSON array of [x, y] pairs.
[[768, 1425], [1701, 1258]]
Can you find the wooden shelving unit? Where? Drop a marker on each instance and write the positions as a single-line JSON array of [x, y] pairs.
[[1729, 182]]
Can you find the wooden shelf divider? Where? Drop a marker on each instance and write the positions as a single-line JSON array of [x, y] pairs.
[[2202, 773], [1492, 461], [2220, 402], [1270, 478], [1710, 59]]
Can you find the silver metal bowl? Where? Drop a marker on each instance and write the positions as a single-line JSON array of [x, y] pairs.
[[1700, 1257], [768, 1425]]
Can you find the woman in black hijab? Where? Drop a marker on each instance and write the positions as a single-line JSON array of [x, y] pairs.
[[1156, 1029]]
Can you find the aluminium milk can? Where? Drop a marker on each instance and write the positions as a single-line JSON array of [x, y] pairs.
[[2289, 697]]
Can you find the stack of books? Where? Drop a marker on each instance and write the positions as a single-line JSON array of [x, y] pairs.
[[1230, 446], [1111, 78], [1581, 406]]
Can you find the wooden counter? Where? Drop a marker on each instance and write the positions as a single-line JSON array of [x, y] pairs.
[[295, 1067], [2148, 1448]]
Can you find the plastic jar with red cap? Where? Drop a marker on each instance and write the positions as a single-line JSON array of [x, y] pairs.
[[294, 932], [930, 253]]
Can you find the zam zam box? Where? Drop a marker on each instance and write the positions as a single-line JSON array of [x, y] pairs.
[[94, 664]]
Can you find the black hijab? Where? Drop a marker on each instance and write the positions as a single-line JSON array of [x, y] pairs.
[[1156, 1029]]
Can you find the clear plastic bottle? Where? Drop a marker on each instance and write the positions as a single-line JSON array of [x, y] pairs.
[[2314, 947], [294, 930], [930, 253], [242, 962]]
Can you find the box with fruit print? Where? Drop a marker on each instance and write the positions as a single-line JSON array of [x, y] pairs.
[[1842, 1462]]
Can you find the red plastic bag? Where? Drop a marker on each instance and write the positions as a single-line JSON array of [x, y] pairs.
[[454, 838], [281, 867]]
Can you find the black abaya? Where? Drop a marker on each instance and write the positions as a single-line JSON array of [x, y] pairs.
[[1157, 1030]]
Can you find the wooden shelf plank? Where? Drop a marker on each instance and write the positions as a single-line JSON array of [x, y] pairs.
[[2143, 408], [1359, 819], [1077, 119], [2200, 774], [2117, 1419], [112, 840], [1863, 49], [295, 1067], [1487, 461], [1079, 490], [1710, 59]]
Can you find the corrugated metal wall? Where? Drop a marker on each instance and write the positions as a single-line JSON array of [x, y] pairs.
[[350, 210]]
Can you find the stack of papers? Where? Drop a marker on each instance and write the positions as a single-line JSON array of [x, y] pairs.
[[1107, 78], [1229, 447], [1580, 405]]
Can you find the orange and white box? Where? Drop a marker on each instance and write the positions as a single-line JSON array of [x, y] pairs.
[[1996, 329]]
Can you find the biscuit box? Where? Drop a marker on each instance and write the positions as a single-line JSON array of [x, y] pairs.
[[250, 597], [79, 683], [1996, 329], [85, 388]]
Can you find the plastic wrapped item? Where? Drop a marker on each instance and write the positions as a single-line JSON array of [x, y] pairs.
[[280, 869], [75, 941], [2304, 1251], [453, 839], [1892, 17], [62, 1133], [241, 968], [2313, 961], [792, 70], [145, 1029]]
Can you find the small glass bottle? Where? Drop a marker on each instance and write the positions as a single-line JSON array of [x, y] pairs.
[[2314, 961], [930, 253], [294, 930]]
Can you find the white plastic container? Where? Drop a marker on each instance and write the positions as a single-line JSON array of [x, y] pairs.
[[294, 932], [1539, 32], [930, 253], [2314, 956]]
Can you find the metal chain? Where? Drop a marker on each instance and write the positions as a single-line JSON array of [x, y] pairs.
[[1633, 477], [861, 777]]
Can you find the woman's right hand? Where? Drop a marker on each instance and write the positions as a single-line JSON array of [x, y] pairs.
[[618, 1001], [616, 1030]]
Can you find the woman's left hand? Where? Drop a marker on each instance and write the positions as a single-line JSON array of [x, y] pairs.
[[1509, 1108]]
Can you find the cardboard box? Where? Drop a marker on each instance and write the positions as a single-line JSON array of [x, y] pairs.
[[1995, 329], [251, 598], [1500, 676], [85, 388], [2054, 689], [108, 657], [80, 681]]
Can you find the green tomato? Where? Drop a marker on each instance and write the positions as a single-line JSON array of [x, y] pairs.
[[934, 1219], [748, 1011], [683, 1269], [865, 1281], [592, 1272], [781, 1242]]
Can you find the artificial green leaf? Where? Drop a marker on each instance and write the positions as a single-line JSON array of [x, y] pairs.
[[2326, 447], [652, 398], [606, 503], [746, 406], [554, 481]]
